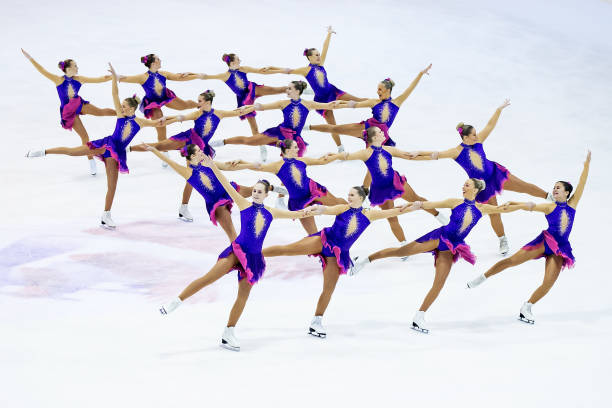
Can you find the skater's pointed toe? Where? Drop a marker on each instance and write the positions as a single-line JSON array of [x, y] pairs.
[[316, 328]]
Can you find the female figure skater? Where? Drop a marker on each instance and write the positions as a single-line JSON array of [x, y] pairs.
[[206, 119], [316, 76], [471, 156], [387, 184], [71, 104], [156, 94], [332, 244], [111, 149], [302, 190], [295, 110], [384, 110], [552, 244], [246, 91], [445, 243], [244, 253]]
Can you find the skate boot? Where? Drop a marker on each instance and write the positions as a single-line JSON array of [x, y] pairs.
[[280, 203], [171, 306], [229, 340], [418, 322], [341, 149], [106, 221], [92, 167], [263, 154], [405, 258], [503, 245], [358, 265], [35, 153], [217, 143], [316, 327], [280, 190], [525, 314], [164, 164], [476, 281], [184, 214]]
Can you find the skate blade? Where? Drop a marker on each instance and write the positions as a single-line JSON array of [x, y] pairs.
[[227, 346], [180, 217], [405, 258], [313, 333], [525, 320], [107, 227], [419, 329], [163, 311]]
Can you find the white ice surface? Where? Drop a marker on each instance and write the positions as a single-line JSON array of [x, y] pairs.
[[78, 305]]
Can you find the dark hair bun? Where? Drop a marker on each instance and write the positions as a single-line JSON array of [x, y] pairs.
[[300, 85]]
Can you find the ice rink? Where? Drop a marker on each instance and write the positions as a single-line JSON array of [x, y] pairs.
[[79, 321]]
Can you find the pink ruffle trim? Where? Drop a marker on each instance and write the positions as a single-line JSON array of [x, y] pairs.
[[225, 201], [554, 246], [69, 112], [336, 250], [460, 251], [122, 168], [243, 261], [153, 105], [373, 122]]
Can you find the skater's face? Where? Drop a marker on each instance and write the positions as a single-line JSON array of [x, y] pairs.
[[471, 138], [72, 70], [559, 193], [292, 92], [382, 91], [315, 57], [259, 193], [292, 151], [156, 63], [354, 199], [127, 109], [469, 189], [203, 103], [235, 64], [197, 157]]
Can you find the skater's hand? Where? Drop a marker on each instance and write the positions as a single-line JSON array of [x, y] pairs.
[[344, 155], [161, 122], [316, 209], [410, 155], [266, 69], [330, 30], [505, 104], [258, 106], [328, 157], [426, 70], [531, 205], [588, 158], [233, 163], [417, 205], [351, 104], [335, 104], [208, 161], [112, 70], [26, 54], [202, 76], [407, 208], [287, 70], [180, 118], [147, 147], [184, 74]]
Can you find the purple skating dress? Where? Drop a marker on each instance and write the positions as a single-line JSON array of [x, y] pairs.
[[294, 117], [383, 115], [556, 238], [243, 88], [203, 130], [156, 93], [254, 223], [70, 101], [302, 189], [323, 90], [475, 163], [387, 184], [463, 218], [338, 239], [205, 182], [115, 144]]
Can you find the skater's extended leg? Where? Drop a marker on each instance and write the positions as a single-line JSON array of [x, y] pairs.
[[553, 268], [90, 109], [75, 151], [181, 104], [331, 273], [305, 246], [82, 132], [516, 184], [396, 228], [330, 119], [444, 262], [351, 129], [309, 225], [258, 140], [406, 250], [112, 174], [518, 258], [222, 267], [244, 289], [224, 218]]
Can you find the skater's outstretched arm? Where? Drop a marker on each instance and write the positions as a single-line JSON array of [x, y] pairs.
[[182, 170], [431, 205], [183, 76], [368, 103], [374, 215], [243, 110], [432, 155], [326, 106], [193, 115], [362, 155], [269, 106], [319, 209], [115, 92], [278, 213], [150, 123], [573, 202], [512, 206], [404, 95], [273, 167], [263, 71], [328, 158], [234, 165], [222, 76], [303, 71], [134, 79], [330, 31], [93, 80], [486, 131], [55, 78], [240, 201]]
